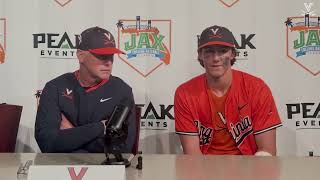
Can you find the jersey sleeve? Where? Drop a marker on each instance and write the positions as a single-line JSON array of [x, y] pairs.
[[265, 115], [184, 123]]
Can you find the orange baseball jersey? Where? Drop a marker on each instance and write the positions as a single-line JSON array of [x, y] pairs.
[[249, 110]]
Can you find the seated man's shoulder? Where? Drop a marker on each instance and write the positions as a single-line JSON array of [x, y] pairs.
[[193, 84], [62, 79], [193, 88], [249, 79], [252, 84], [118, 82]]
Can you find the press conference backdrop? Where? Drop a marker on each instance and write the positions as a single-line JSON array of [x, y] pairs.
[[277, 41]]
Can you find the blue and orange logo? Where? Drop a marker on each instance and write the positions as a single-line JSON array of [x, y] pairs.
[[303, 40], [147, 43]]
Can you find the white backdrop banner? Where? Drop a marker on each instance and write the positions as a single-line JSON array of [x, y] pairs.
[[277, 41]]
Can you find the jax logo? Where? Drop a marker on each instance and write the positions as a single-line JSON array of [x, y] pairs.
[[56, 45], [229, 3], [303, 41], [147, 43], [2, 40], [62, 2]]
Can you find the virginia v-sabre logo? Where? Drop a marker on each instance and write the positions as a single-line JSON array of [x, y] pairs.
[[229, 3], [156, 117], [56, 45], [147, 43], [306, 115], [245, 45], [303, 41], [2, 40]]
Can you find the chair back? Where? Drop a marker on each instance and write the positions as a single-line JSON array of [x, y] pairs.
[[9, 125]]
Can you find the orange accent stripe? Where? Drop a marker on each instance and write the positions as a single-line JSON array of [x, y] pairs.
[[93, 87]]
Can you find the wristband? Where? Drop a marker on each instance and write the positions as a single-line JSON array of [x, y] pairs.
[[262, 153]]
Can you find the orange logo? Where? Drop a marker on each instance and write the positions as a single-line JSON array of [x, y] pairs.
[[2, 54], [2, 40], [62, 2], [229, 3]]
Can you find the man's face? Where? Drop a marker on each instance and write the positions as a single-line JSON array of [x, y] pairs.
[[216, 59], [98, 66]]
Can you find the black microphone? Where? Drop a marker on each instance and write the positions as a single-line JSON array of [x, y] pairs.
[[118, 117], [117, 132]]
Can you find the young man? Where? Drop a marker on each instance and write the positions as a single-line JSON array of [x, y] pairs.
[[74, 107], [224, 111]]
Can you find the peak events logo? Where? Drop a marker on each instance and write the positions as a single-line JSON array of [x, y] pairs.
[[56, 45], [2, 40], [303, 42], [229, 3], [62, 3], [305, 114], [147, 43], [156, 117]]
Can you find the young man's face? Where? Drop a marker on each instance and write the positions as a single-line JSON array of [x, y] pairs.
[[98, 66], [216, 59]]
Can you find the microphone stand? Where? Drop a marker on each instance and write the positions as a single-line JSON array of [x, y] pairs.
[[113, 141], [117, 160]]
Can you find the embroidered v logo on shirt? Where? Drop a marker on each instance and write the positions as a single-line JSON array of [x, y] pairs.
[[68, 91]]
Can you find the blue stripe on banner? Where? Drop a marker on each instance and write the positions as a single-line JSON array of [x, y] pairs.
[[155, 52]]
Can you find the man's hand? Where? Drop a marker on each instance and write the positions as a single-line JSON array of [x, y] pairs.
[[65, 123], [104, 125]]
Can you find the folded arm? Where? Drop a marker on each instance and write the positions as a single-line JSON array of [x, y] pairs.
[[48, 134]]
